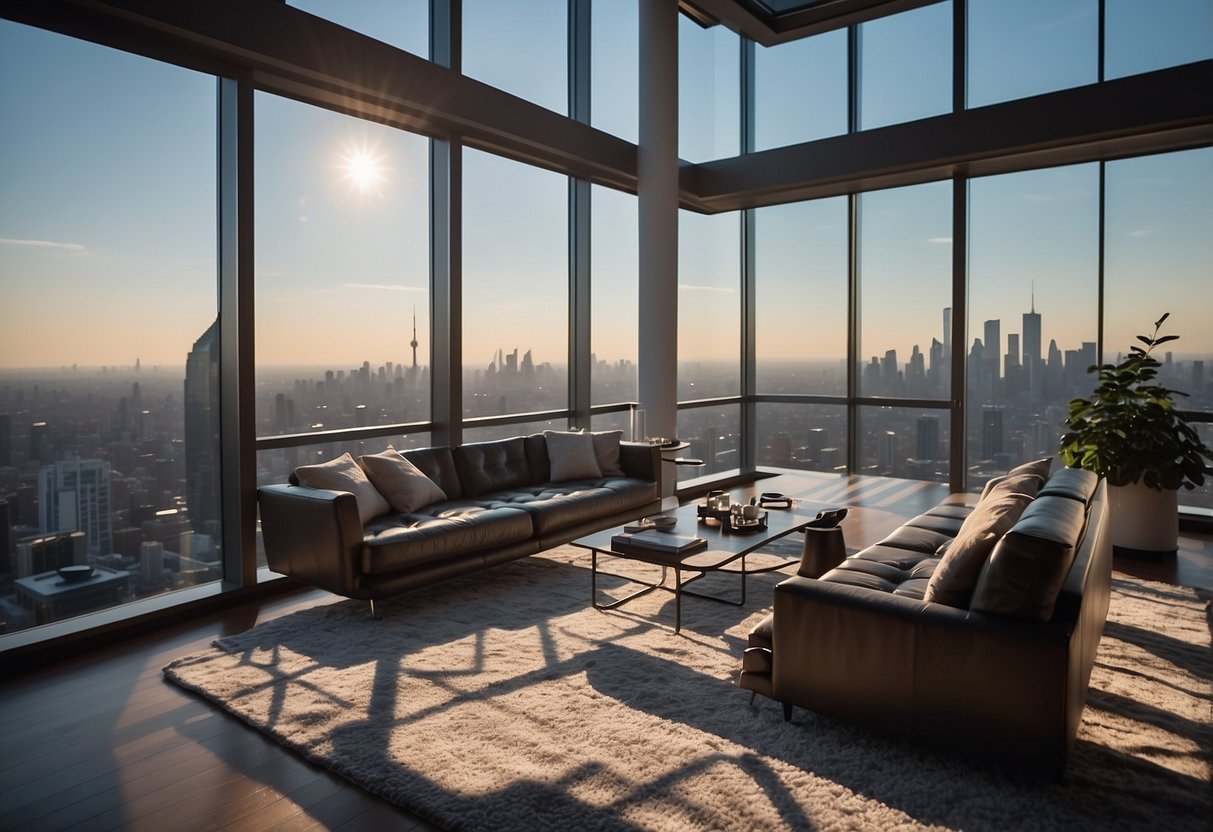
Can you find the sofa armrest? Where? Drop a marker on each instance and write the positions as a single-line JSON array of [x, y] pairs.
[[640, 460], [312, 534]]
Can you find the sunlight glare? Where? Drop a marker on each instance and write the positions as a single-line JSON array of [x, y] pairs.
[[364, 169]]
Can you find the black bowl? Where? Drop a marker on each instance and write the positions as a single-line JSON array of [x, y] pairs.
[[72, 574]]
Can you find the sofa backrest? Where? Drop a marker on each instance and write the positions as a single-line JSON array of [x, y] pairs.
[[1025, 574], [492, 466], [439, 465]]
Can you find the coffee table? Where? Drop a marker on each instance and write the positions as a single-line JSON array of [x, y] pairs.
[[724, 548]]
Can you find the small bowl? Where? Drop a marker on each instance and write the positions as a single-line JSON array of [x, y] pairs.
[[664, 523]]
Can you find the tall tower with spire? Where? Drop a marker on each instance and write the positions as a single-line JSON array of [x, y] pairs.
[[413, 343], [1032, 358]]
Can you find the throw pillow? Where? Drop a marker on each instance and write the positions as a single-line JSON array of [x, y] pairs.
[[404, 485], [955, 578], [606, 449], [571, 456], [343, 474]]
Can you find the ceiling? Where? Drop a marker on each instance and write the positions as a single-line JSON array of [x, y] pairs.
[[777, 21]]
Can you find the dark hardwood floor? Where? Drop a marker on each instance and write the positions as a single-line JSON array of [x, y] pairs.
[[103, 742]]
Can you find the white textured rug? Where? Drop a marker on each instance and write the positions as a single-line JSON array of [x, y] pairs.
[[503, 701]]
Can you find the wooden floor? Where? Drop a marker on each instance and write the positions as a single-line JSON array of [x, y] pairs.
[[102, 742]]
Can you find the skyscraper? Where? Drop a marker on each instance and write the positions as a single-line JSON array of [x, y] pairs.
[[6, 439], [1031, 348], [991, 432], [74, 495], [202, 432], [928, 437]]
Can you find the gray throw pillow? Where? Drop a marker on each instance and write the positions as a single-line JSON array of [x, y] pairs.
[[343, 474], [955, 578], [571, 456], [404, 485], [606, 449]]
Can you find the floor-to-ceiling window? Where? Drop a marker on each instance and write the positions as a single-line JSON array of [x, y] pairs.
[[1158, 247], [615, 292], [889, 91], [521, 51], [709, 89], [109, 345], [801, 287], [342, 282], [401, 23], [786, 109], [1029, 47], [905, 350], [515, 292], [709, 338], [1033, 311]]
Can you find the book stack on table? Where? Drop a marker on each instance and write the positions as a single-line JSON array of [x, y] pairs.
[[651, 540]]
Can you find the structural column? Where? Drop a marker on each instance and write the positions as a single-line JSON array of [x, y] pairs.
[[657, 189]]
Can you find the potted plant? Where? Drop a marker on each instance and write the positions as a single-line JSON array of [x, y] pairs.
[[1130, 433]]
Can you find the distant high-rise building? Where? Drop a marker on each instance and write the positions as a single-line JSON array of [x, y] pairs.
[[202, 453], [74, 495], [947, 332], [6, 543], [991, 432], [39, 442], [928, 437], [414, 343], [151, 563], [6, 439], [1032, 356], [993, 345], [48, 552], [1198, 382]]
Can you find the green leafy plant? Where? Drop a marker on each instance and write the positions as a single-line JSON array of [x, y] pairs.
[[1129, 429]]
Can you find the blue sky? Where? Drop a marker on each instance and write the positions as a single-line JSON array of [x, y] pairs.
[[107, 171]]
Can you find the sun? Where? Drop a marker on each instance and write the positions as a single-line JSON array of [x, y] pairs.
[[364, 169]]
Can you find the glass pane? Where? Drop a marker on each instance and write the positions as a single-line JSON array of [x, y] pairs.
[[614, 421], [109, 353], [905, 291], [801, 286], [786, 109], [709, 305], [1030, 47], [1033, 305], [900, 442], [1200, 499], [401, 23], [488, 434], [1144, 35], [808, 437], [709, 92], [905, 66], [1159, 234], [342, 266], [615, 68], [614, 266], [715, 437], [515, 287], [521, 51]]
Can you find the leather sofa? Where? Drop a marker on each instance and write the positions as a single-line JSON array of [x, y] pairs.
[[859, 643], [499, 506]]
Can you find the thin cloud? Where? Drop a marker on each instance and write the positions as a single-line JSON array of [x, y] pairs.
[[391, 287], [42, 244], [692, 288], [940, 240], [1142, 232]]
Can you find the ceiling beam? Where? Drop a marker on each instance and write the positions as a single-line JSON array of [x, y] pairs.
[[1164, 110]]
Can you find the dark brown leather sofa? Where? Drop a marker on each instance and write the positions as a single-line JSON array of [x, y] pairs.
[[500, 506], [860, 644]]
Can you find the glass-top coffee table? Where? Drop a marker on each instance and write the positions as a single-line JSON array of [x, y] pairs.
[[724, 549]]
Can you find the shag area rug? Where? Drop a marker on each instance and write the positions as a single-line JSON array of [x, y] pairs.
[[504, 701]]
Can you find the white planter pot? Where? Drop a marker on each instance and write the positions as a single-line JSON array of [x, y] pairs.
[[1144, 518]]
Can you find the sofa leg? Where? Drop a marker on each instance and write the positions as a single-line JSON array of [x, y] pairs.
[[377, 615], [787, 711], [753, 693]]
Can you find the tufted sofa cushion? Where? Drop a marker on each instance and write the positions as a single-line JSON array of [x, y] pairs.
[[555, 506], [485, 467]]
